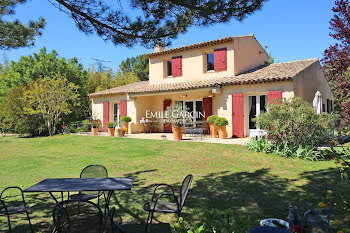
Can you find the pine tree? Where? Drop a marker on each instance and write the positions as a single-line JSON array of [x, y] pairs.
[[16, 34]]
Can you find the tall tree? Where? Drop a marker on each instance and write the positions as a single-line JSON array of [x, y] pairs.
[[337, 60], [50, 99], [153, 19], [43, 64], [99, 80], [16, 34], [138, 65]]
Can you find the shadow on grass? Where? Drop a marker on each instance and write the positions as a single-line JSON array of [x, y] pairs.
[[259, 194]]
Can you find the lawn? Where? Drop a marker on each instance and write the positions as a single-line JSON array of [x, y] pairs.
[[225, 176]]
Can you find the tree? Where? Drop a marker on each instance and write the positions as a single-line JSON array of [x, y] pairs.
[[138, 65], [13, 119], [98, 81], [156, 20], [50, 99], [33, 67], [337, 61], [125, 78], [16, 34]]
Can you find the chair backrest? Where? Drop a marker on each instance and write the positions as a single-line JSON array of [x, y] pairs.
[[94, 171], [77, 216], [185, 187]]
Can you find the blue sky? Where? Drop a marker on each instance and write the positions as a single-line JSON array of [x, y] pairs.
[[292, 30]]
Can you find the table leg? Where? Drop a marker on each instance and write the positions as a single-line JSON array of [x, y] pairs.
[[53, 197], [109, 195]]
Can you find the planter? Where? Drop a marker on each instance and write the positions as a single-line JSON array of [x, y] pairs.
[[213, 130], [119, 132], [126, 127], [222, 132], [111, 131], [177, 132], [155, 130], [94, 131]]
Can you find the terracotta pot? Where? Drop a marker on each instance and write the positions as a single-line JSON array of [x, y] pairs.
[[155, 130], [177, 132], [94, 131], [111, 131], [213, 130], [126, 127], [119, 132], [222, 132]]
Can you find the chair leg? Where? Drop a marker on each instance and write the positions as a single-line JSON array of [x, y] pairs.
[[9, 223], [149, 222], [30, 224], [146, 228]]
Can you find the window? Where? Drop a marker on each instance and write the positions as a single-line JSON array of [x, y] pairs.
[[194, 107], [210, 62], [169, 65]]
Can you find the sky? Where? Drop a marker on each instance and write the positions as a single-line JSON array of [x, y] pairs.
[[291, 29]]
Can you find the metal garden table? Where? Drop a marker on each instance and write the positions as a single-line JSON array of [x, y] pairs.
[[82, 184]]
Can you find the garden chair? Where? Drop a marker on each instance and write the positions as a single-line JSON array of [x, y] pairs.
[[77, 216], [91, 171], [156, 205], [14, 208]]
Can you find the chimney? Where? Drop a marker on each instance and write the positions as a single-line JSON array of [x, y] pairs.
[[159, 47]]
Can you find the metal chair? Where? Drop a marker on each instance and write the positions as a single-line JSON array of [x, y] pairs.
[[91, 171], [156, 205], [77, 216], [9, 209]]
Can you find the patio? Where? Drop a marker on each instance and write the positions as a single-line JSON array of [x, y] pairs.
[[186, 137]]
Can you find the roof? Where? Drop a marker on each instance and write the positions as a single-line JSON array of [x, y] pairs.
[[199, 45], [264, 74]]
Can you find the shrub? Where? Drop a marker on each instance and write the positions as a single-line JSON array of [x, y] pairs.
[[216, 221], [294, 123], [220, 121], [125, 119], [212, 118], [110, 125], [259, 145]]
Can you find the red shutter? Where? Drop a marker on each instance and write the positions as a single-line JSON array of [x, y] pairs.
[[207, 107], [105, 115], [274, 95], [176, 66], [167, 127], [237, 116], [220, 59], [123, 108]]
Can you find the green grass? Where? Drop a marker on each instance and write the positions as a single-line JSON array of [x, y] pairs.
[[225, 176]]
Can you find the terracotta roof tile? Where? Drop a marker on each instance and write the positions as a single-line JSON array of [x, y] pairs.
[[198, 45], [271, 73]]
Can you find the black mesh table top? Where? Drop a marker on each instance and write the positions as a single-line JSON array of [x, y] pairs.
[[82, 184]]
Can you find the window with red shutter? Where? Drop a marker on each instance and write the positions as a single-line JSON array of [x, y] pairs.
[[123, 108], [237, 116], [272, 95], [220, 59], [176, 66], [105, 115]]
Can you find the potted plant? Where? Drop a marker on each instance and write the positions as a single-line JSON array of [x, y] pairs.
[[111, 128], [125, 122], [177, 116], [213, 130], [154, 126], [120, 132], [221, 123], [94, 126]]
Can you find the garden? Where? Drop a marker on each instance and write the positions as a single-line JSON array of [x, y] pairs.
[[228, 180]]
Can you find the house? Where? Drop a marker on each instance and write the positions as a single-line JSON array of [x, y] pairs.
[[228, 77]]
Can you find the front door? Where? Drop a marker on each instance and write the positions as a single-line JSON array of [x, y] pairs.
[[116, 113], [257, 104]]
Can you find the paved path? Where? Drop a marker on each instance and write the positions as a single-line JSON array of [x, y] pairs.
[[169, 136]]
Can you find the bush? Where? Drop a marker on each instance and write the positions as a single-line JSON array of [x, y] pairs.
[[294, 123], [215, 221], [220, 121], [95, 123], [110, 125], [259, 145], [125, 119], [212, 118]]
